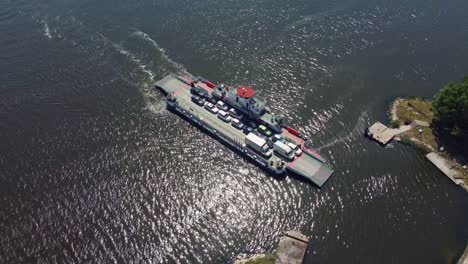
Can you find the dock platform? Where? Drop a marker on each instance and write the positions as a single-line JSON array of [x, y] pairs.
[[383, 134], [310, 166], [292, 248]]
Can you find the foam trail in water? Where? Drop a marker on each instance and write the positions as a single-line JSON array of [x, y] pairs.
[[163, 52], [360, 125], [149, 92], [307, 19], [135, 60], [152, 97], [46, 29], [153, 100]]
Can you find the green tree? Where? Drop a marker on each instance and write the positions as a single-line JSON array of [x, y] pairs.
[[451, 106]]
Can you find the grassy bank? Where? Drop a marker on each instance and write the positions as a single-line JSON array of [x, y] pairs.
[[407, 110], [267, 259], [414, 109]]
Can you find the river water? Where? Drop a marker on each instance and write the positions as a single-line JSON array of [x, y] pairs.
[[94, 169]]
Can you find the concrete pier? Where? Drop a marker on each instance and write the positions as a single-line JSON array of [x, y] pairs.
[[383, 134], [292, 248], [464, 257], [443, 165]]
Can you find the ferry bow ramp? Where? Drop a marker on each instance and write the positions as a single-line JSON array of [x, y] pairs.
[[237, 117]]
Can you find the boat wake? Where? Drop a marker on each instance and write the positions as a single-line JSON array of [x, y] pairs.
[[162, 51], [153, 100], [356, 131], [94, 44], [133, 58], [335, 8], [46, 29]]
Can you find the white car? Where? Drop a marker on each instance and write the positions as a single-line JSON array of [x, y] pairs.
[[224, 116], [235, 113], [295, 148], [222, 106], [276, 137], [210, 107], [236, 123]]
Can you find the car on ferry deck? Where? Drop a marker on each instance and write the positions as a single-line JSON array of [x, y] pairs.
[[210, 98], [236, 123], [284, 150], [262, 129], [236, 114], [222, 106], [251, 123], [224, 116], [247, 129], [210, 107], [276, 137], [198, 91], [296, 148], [199, 101]]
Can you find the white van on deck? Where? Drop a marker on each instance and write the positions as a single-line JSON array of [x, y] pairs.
[[224, 116]]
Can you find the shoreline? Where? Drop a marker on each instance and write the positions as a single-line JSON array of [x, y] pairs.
[[291, 249], [261, 257], [464, 257], [423, 137], [393, 108]]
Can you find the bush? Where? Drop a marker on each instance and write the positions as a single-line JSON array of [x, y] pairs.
[[406, 141], [395, 124]]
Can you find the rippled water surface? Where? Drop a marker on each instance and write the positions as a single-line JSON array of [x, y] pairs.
[[94, 169]]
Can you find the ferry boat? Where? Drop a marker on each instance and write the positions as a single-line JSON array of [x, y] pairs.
[[239, 118]]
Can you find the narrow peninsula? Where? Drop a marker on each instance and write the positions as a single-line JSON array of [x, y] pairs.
[[438, 126]]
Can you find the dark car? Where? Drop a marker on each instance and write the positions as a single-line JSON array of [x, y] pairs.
[[251, 123], [199, 91], [199, 101], [195, 90], [270, 143], [210, 98], [247, 130]]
